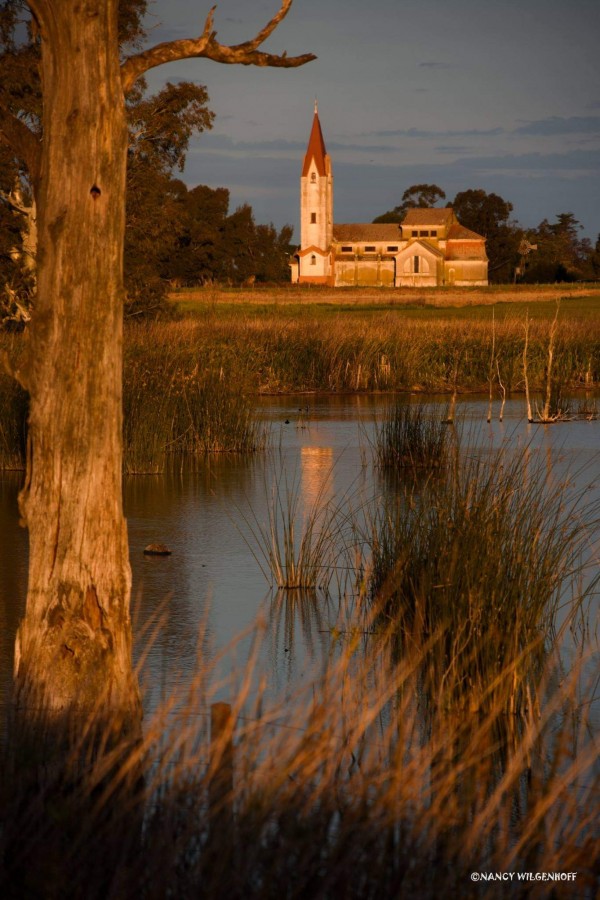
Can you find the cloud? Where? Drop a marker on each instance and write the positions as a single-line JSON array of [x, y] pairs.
[[558, 125], [449, 148], [572, 161], [539, 185], [420, 133], [295, 149], [224, 142]]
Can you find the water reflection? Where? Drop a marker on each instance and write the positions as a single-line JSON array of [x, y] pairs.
[[190, 604]]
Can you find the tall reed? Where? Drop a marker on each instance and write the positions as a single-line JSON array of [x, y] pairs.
[[481, 558], [410, 436], [295, 547]]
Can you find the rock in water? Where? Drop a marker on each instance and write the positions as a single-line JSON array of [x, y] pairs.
[[157, 550]]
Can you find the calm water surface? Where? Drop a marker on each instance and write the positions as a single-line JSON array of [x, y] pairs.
[[192, 604]]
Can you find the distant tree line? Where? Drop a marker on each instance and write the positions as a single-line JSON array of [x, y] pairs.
[[552, 252]]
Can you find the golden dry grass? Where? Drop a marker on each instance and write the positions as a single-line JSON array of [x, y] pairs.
[[438, 297]]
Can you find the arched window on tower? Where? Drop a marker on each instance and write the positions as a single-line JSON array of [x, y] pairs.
[[313, 260], [313, 178], [313, 218]]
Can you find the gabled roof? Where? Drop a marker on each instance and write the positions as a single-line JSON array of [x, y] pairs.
[[422, 244], [370, 231], [312, 249], [429, 216], [316, 149]]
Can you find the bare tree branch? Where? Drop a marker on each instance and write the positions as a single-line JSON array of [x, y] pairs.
[[23, 142], [207, 47]]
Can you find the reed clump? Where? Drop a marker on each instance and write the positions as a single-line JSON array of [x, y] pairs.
[[480, 558], [295, 548], [179, 406], [411, 437]]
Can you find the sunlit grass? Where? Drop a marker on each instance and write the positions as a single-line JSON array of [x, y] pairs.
[[342, 789], [189, 384]]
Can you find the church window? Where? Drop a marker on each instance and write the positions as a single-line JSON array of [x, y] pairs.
[[392, 249], [414, 234], [424, 234], [313, 260], [346, 249], [416, 265], [313, 218], [433, 234], [313, 178], [370, 249]]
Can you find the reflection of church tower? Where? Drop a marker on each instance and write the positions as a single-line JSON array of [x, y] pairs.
[[316, 210]]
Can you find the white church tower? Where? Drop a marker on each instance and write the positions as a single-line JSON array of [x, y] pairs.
[[313, 260]]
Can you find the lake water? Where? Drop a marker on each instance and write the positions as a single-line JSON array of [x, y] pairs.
[[190, 605]]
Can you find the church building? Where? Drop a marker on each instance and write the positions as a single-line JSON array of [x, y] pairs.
[[427, 249]]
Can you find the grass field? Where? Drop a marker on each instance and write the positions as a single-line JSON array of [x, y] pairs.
[[581, 300]]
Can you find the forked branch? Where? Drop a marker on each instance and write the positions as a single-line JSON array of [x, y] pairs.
[[207, 47]]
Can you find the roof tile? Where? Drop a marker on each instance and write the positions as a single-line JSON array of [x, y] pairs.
[[316, 149], [369, 231]]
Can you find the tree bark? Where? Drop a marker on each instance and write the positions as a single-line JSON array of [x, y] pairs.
[[73, 648], [73, 651]]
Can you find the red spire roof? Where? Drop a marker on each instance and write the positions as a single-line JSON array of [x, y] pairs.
[[316, 149]]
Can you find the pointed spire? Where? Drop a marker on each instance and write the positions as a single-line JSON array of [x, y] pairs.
[[316, 148]]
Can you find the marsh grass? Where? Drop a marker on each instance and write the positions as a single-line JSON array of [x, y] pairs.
[[176, 409], [179, 416], [481, 557], [411, 436], [188, 384], [275, 352], [340, 790], [296, 546]]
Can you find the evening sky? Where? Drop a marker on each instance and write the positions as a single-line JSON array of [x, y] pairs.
[[502, 96]]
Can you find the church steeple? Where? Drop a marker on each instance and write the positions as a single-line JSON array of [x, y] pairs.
[[316, 149], [316, 202]]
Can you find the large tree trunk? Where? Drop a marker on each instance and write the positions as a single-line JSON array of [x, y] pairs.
[[73, 651]]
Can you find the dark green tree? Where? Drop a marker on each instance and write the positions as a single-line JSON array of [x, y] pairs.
[[419, 196], [489, 215], [213, 245], [160, 128], [561, 254]]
